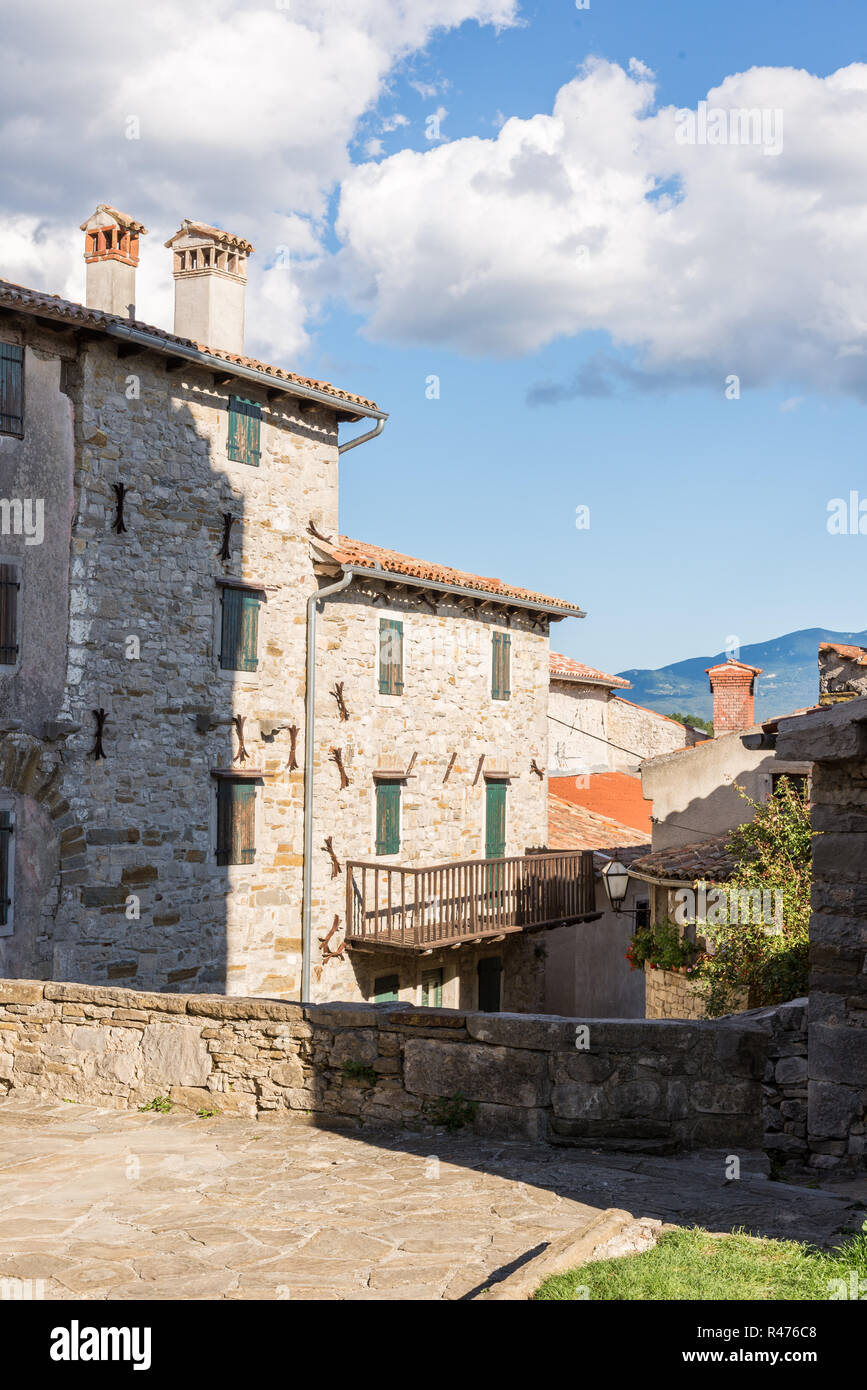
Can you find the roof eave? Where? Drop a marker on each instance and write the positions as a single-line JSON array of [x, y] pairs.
[[414, 581]]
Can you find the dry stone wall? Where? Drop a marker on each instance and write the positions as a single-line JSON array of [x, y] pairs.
[[647, 1085]]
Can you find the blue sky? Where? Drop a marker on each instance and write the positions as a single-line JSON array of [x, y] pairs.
[[708, 515], [581, 283]]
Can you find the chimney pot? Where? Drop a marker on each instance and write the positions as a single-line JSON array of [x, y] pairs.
[[111, 246], [733, 684], [210, 272]]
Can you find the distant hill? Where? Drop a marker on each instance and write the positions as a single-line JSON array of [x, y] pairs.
[[790, 680]]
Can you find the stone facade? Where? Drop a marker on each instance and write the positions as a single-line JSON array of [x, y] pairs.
[[649, 1086], [594, 730], [669, 994], [835, 740], [116, 872]]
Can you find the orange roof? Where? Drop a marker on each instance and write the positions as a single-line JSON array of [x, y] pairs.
[[617, 795], [734, 668], [858, 654], [350, 552], [574, 827], [51, 306], [564, 668], [205, 229]]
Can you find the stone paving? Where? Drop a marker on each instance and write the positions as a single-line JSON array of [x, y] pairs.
[[112, 1204]]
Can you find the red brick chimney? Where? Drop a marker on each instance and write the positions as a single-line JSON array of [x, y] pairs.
[[733, 684]]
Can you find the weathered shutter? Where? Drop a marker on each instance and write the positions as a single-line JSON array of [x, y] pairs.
[[386, 988], [495, 820], [5, 866], [245, 420], [387, 817], [9, 586], [236, 822], [390, 657], [240, 630], [500, 648], [432, 989], [11, 389]]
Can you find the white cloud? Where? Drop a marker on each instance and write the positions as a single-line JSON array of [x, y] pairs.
[[244, 109], [704, 260]]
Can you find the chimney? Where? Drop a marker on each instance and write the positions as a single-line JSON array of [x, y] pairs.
[[111, 255], [733, 684], [210, 282]]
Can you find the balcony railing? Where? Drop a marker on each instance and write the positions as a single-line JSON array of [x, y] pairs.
[[447, 904]]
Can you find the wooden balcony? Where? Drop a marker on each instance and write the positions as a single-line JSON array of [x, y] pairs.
[[447, 905]]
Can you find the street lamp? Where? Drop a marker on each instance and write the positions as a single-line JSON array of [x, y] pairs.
[[616, 880]]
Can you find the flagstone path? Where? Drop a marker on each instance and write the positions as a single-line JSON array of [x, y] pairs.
[[113, 1204]]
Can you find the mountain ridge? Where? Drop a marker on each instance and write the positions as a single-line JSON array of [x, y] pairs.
[[790, 678]]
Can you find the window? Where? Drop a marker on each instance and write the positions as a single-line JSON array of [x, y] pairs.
[[239, 637], [432, 989], [10, 585], [236, 821], [390, 657], [500, 673], [387, 817], [245, 420], [385, 988], [7, 825], [11, 389], [490, 971], [796, 780], [642, 913]]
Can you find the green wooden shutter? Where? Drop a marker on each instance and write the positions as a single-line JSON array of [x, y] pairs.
[[390, 657], [495, 820], [387, 817], [386, 988], [245, 422], [11, 389], [5, 866], [240, 630], [9, 586], [432, 989], [236, 822], [501, 644]]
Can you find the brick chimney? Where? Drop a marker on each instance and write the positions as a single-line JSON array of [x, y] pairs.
[[733, 684], [111, 255], [210, 273]]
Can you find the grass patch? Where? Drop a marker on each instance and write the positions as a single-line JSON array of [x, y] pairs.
[[693, 1264]]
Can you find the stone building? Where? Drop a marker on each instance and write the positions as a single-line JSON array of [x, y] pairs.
[[166, 505], [842, 672]]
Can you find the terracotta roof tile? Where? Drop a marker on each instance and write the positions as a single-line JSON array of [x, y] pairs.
[[68, 311], [564, 668], [858, 654], [574, 827], [351, 552], [615, 794], [706, 859]]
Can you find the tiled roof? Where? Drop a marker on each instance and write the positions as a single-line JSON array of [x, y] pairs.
[[707, 859], [51, 306], [734, 668], [614, 794], [350, 552], [858, 654], [121, 218], [574, 827], [204, 229], [564, 668]]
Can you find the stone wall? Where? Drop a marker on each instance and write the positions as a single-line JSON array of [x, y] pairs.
[[643, 732], [646, 1085], [669, 994], [835, 740]]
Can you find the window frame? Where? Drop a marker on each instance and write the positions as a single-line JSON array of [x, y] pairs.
[[14, 347], [233, 779], [253, 591], [501, 665], [389, 783], [389, 684], [242, 453], [7, 890], [13, 562]]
